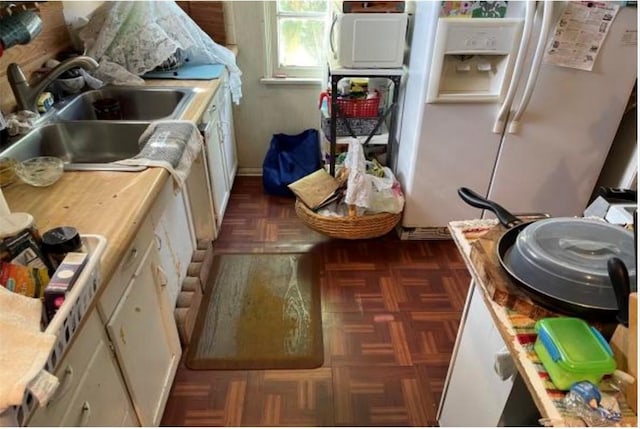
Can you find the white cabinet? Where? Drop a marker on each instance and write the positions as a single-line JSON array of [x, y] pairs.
[[474, 393], [215, 159], [228, 134], [174, 237], [122, 275], [92, 391], [137, 306], [220, 145], [145, 338]]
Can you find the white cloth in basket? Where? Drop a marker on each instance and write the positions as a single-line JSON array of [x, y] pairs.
[[24, 350]]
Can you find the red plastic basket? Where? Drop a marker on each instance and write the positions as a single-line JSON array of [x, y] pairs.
[[355, 107]]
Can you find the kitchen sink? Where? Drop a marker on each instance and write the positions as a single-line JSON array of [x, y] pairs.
[[82, 145], [135, 103]]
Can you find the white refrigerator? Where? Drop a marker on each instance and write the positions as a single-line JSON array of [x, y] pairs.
[[551, 161]]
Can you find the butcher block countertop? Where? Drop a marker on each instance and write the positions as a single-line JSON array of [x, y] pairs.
[[112, 204], [513, 315]]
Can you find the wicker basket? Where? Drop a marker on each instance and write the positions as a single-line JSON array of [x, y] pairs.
[[349, 227]]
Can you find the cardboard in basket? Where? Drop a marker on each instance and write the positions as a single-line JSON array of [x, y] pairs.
[[316, 188]]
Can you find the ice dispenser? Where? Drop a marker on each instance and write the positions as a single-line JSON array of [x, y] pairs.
[[473, 59]]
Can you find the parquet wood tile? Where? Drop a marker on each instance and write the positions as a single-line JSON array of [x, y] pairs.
[[390, 312], [214, 398], [290, 398], [367, 396], [434, 334], [373, 339], [433, 376]]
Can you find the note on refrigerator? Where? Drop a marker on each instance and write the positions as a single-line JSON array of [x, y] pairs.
[[579, 34]]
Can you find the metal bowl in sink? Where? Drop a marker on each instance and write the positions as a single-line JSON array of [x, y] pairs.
[[82, 145]]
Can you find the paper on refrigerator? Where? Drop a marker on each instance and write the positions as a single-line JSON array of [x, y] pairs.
[[579, 34]]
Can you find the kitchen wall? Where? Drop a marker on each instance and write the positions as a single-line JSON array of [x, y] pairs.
[[78, 9], [264, 109]]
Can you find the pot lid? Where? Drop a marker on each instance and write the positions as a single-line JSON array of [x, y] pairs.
[[577, 249]]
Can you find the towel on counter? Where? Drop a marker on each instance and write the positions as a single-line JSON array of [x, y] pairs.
[[173, 145], [24, 350]]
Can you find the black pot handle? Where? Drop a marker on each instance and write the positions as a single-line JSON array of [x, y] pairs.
[[476, 200], [614, 195], [620, 281]]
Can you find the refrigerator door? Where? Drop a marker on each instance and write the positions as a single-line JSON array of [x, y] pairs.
[[442, 146], [553, 162], [457, 148]]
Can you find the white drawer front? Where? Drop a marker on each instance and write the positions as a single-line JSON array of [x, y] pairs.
[[122, 275]]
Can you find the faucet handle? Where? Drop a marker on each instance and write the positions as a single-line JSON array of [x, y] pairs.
[[15, 74]]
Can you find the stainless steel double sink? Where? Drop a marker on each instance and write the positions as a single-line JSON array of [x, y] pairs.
[[74, 134]]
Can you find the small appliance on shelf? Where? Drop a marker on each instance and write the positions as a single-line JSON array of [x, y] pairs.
[[368, 40], [373, 6]]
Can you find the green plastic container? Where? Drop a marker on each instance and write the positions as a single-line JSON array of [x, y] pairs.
[[572, 351]]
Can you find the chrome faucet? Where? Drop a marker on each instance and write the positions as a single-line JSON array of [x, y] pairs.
[[26, 95]]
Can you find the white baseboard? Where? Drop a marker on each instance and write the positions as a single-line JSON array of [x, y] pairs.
[[249, 171]]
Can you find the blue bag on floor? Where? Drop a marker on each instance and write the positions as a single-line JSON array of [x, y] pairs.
[[288, 159]]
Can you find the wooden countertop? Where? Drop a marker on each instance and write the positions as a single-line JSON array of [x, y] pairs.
[[112, 204], [464, 233]]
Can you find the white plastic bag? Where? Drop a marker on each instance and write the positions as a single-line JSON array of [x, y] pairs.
[[359, 183], [386, 195], [370, 194]]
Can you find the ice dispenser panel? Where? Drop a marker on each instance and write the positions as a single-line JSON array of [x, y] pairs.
[[473, 59]]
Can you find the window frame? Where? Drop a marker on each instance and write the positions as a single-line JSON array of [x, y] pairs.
[[273, 71]]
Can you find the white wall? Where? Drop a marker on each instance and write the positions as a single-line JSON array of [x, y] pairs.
[[78, 9], [75, 15], [264, 109]]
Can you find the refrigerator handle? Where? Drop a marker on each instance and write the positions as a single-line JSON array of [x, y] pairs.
[[547, 14], [498, 126]]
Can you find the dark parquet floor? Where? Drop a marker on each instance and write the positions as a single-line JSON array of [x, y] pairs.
[[390, 311]]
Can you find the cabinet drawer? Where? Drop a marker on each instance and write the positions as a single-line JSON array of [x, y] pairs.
[[125, 271], [70, 371], [101, 398]]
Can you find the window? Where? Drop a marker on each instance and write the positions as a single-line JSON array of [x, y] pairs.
[[295, 37]]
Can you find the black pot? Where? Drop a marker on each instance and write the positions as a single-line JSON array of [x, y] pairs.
[[561, 263]]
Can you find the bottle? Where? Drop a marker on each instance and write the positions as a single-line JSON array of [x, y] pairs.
[[57, 242]]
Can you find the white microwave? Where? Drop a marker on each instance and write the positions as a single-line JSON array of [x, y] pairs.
[[368, 40]]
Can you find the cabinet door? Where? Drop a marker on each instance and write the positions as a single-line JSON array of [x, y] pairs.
[[215, 158], [126, 269], [228, 135], [88, 373], [474, 394], [146, 341], [175, 247], [101, 398]]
